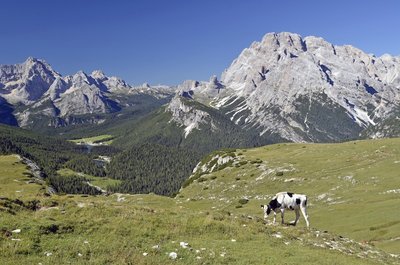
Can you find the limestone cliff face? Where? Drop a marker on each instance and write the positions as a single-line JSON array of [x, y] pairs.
[[306, 89], [186, 116]]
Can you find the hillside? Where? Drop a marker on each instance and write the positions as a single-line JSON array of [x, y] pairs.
[[352, 189], [50, 154], [161, 149]]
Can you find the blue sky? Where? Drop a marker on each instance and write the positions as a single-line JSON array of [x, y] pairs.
[[168, 41]]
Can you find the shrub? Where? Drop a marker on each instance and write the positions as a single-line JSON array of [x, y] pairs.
[[243, 201], [223, 166], [33, 205], [48, 229], [279, 173], [55, 229], [201, 179], [241, 163]]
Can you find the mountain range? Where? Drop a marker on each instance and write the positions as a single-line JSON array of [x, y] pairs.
[[282, 88], [32, 90]]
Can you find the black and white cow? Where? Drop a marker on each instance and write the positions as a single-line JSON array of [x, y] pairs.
[[287, 200]]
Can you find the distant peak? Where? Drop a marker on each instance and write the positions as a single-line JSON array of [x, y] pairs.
[[32, 60], [145, 85], [98, 74], [81, 76], [81, 73]]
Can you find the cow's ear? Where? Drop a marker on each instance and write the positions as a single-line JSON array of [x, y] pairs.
[[262, 206]]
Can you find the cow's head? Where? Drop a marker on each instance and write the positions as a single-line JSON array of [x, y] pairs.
[[266, 210]]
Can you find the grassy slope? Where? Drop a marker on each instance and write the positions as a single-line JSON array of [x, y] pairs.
[[14, 176], [120, 228], [347, 185]]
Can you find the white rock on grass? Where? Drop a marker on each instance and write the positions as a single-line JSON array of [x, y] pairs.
[[16, 231], [120, 198], [145, 254], [172, 255], [48, 254], [155, 247], [277, 235], [184, 244]]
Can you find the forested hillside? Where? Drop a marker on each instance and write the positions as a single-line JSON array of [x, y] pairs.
[[159, 157], [152, 168], [51, 154]]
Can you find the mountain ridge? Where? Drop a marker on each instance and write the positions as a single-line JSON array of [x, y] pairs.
[[33, 87], [303, 89], [269, 80]]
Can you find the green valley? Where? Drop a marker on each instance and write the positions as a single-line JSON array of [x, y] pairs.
[[353, 197]]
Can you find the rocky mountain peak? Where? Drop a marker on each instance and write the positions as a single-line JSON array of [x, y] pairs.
[[81, 78], [26, 82], [276, 77], [283, 40], [98, 74]]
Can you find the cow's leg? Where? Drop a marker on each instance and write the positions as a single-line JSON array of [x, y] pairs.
[[282, 215], [297, 217], [274, 217], [304, 212]]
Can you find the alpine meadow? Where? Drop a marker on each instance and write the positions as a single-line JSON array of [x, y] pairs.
[[96, 170]]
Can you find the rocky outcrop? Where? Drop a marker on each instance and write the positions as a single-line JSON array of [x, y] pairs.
[[293, 86], [186, 116]]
